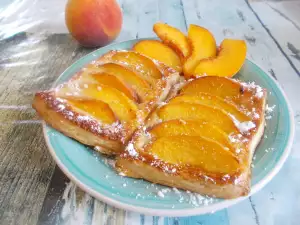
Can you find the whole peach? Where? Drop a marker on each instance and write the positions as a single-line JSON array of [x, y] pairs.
[[93, 23]]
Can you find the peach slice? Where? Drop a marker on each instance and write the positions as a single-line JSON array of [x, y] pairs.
[[138, 84], [95, 108], [203, 45], [112, 81], [230, 59], [188, 111], [200, 152], [158, 51], [190, 128], [124, 108], [225, 88], [213, 101], [173, 38], [138, 63]]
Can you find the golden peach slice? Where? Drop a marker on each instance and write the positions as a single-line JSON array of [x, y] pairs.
[[189, 111], [156, 50], [203, 45], [140, 64], [190, 128], [230, 59], [95, 108], [213, 101], [138, 84], [224, 88], [200, 152], [113, 81], [124, 108], [173, 38]]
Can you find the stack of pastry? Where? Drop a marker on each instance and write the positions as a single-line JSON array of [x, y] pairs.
[[169, 110]]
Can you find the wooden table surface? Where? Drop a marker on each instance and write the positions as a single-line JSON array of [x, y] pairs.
[[35, 49]]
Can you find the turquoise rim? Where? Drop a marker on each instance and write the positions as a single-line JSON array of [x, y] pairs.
[[110, 196]]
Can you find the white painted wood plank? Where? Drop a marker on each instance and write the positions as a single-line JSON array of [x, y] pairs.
[[105, 214], [171, 12], [76, 207], [130, 20], [288, 9], [132, 218], [236, 217], [275, 203], [98, 213], [147, 16], [284, 30]]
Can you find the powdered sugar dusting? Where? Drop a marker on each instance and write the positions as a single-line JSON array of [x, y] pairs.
[[234, 138], [160, 194], [259, 93], [244, 127], [197, 199], [238, 150], [176, 190], [122, 174], [168, 169], [83, 118], [109, 162], [161, 104], [269, 111], [113, 131], [131, 150], [188, 197], [255, 115]]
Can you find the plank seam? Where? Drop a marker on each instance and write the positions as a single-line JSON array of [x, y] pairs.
[[255, 212], [158, 10], [185, 23], [271, 71], [284, 16], [273, 38]]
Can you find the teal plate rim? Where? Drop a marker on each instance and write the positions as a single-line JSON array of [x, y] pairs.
[[175, 212]]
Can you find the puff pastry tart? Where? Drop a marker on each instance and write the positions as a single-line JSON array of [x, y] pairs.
[[169, 110], [202, 139], [104, 103]]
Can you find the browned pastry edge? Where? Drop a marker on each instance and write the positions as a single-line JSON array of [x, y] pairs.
[[216, 185], [109, 139], [60, 116], [193, 179]]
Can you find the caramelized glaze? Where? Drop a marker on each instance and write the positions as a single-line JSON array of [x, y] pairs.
[[193, 139]]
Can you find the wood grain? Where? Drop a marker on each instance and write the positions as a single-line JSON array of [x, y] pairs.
[[168, 10], [27, 65], [53, 202], [287, 41]]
